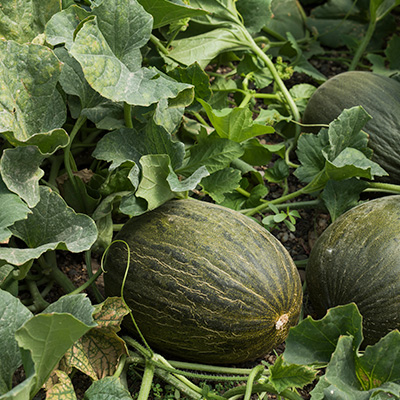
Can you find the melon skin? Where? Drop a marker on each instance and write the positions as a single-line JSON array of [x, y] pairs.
[[205, 283], [379, 96], [357, 259]]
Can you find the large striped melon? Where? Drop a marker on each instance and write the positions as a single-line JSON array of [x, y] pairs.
[[357, 259], [205, 283]]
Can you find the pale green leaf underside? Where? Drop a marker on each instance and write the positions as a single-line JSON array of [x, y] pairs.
[[21, 173], [112, 78], [166, 12], [13, 209], [51, 225], [154, 187]]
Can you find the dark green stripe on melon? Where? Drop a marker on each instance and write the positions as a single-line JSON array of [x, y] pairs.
[[357, 259], [379, 96], [205, 283]]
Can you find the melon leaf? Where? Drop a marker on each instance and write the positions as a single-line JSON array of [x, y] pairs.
[[32, 110], [21, 173], [51, 225], [13, 314], [312, 342], [166, 12]]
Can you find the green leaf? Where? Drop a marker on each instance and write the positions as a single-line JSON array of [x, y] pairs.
[[166, 12], [196, 76], [309, 153], [278, 172], [235, 123], [380, 363], [13, 209], [23, 21], [21, 173], [341, 373], [74, 83], [44, 339], [312, 342], [187, 184], [61, 27], [346, 131], [154, 187], [197, 48], [113, 79], [351, 162], [340, 196], [32, 110], [221, 182], [339, 152], [12, 316], [380, 8], [290, 376], [51, 225], [392, 52], [78, 305], [107, 388], [126, 27], [214, 153], [255, 13], [127, 144], [286, 17], [251, 67]]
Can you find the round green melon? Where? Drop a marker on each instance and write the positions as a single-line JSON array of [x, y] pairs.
[[205, 283], [379, 96], [357, 259]]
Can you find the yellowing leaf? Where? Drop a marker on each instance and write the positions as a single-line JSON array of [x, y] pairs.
[[98, 352]]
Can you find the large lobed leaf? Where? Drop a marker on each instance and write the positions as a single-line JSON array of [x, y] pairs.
[[334, 342], [23, 20], [51, 225]]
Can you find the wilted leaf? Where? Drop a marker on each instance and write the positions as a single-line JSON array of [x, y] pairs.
[[97, 353], [62, 389]]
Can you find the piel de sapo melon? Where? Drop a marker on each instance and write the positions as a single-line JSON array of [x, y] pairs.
[[205, 283], [357, 259]]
